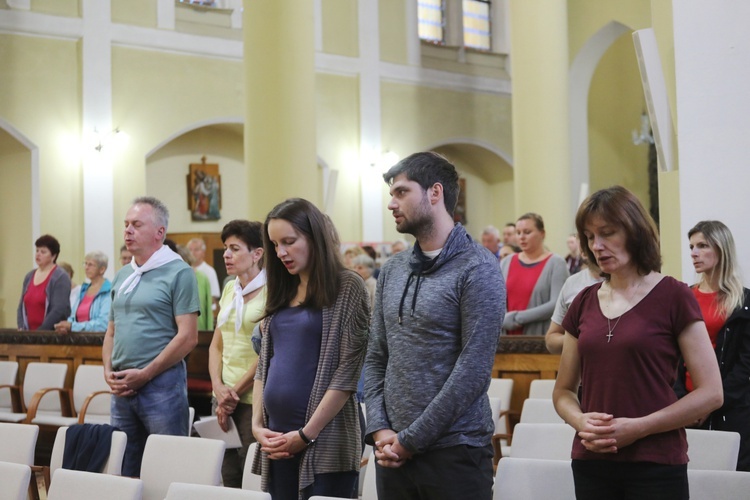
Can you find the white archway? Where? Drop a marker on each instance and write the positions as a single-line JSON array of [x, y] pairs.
[[581, 73], [34, 150]]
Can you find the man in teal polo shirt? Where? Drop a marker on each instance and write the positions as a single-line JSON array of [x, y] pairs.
[[153, 325]]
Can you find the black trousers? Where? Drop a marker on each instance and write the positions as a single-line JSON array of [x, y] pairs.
[[598, 479], [455, 473]]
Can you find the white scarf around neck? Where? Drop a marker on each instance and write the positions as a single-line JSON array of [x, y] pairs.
[[162, 256], [238, 302]]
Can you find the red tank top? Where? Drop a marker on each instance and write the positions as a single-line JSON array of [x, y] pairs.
[[708, 302], [83, 313], [35, 301], [520, 284]]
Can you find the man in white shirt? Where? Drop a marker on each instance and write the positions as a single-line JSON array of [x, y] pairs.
[[197, 249]]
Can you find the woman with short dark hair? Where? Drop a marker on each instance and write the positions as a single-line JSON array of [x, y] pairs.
[[45, 296], [623, 339], [314, 339], [231, 359]]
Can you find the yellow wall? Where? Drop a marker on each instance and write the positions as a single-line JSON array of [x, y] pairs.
[[68, 8], [158, 95], [615, 105], [340, 35], [418, 118], [47, 112], [586, 17], [16, 251], [136, 12], [337, 128], [393, 34]]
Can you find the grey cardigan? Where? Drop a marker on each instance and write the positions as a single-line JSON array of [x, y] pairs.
[[58, 300], [535, 319]]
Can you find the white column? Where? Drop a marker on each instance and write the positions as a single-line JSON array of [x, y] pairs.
[[371, 180], [98, 215], [712, 68]]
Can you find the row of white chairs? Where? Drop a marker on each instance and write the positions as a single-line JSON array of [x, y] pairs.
[[33, 403], [532, 479]]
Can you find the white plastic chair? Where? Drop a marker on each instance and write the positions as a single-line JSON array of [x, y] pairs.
[[250, 481], [369, 488], [113, 465], [500, 393], [718, 484], [533, 479], [546, 441], [539, 411], [78, 485], [14, 479], [38, 376], [186, 491], [8, 373], [367, 459], [179, 459], [88, 384], [18, 443], [713, 450], [541, 388]]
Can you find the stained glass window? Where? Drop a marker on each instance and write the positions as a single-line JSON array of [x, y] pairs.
[[431, 20], [477, 24]]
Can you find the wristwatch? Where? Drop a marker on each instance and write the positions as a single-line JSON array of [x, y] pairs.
[[307, 440]]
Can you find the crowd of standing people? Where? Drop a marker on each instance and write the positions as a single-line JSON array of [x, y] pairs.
[[300, 326]]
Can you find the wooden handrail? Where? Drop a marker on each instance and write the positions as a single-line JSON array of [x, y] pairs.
[[16, 401], [67, 408], [85, 406]]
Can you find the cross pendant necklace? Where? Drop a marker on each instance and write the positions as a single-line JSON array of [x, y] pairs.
[[610, 328]]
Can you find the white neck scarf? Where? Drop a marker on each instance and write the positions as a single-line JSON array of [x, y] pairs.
[[238, 302], [162, 256]]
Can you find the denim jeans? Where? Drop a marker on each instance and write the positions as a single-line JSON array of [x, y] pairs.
[[159, 407]]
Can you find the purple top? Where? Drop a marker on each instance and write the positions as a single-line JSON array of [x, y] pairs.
[[633, 374], [296, 334]]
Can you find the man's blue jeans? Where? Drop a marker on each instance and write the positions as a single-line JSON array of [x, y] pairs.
[[159, 407]]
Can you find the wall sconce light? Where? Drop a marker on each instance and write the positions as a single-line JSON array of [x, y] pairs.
[[644, 136], [106, 141], [382, 161]]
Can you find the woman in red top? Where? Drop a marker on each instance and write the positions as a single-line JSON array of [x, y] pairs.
[[533, 280], [725, 305], [623, 339], [45, 298]]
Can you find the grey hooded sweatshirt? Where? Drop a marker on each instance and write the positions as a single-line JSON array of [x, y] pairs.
[[435, 331]]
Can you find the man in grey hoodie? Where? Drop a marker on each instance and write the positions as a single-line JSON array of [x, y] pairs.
[[438, 313]]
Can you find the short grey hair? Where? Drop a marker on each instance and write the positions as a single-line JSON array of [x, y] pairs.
[[99, 257], [364, 260], [197, 240], [161, 212], [491, 230]]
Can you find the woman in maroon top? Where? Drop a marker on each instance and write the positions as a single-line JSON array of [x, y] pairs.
[[45, 297], [622, 345]]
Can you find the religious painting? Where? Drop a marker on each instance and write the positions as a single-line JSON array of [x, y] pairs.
[[460, 214], [204, 191]]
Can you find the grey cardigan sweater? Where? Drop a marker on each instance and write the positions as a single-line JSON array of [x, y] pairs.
[[433, 339], [58, 300], [536, 317]]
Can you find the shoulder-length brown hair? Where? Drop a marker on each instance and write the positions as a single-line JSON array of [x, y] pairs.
[[620, 208], [325, 258]]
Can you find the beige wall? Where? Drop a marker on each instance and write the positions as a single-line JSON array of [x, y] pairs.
[[157, 96], [16, 253], [418, 118], [615, 105], [340, 34]]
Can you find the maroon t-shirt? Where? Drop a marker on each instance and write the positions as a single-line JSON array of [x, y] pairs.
[[633, 374]]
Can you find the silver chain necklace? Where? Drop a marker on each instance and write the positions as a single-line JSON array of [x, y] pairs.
[[610, 328]]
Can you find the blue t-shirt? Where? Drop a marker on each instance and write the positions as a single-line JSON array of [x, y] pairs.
[[145, 318], [296, 334]]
